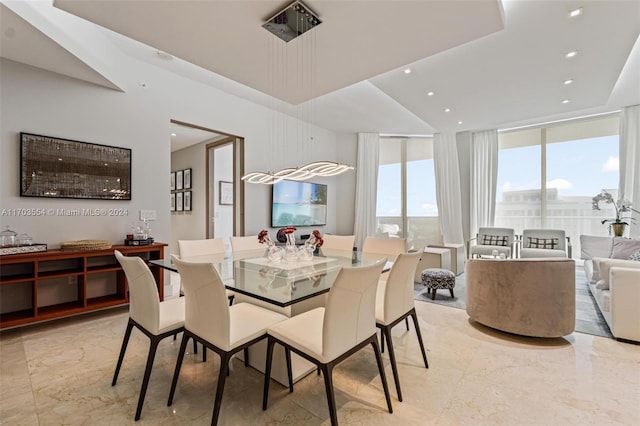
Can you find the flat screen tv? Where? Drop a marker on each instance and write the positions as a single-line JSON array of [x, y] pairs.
[[298, 204]]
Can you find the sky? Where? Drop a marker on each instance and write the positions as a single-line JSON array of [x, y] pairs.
[[576, 168]]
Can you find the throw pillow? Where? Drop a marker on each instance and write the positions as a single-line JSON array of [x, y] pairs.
[[494, 240], [635, 256], [624, 248], [602, 285], [543, 243]]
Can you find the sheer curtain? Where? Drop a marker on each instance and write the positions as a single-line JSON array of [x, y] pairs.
[[629, 161], [484, 175], [445, 159], [366, 186]]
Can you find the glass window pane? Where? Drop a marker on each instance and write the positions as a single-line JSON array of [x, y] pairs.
[[518, 195], [422, 208], [389, 190]]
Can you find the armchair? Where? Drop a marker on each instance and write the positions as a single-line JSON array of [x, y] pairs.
[[545, 243], [489, 239]]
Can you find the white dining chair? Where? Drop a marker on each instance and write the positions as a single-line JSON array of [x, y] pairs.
[[327, 336], [338, 242], [155, 319], [191, 248], [394, 303], [246, 243], [211, 321], [390, 247]]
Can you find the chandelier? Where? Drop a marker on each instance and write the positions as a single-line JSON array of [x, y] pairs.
[[317, 168], [287, 24]]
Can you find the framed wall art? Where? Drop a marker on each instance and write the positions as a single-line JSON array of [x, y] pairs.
[[187, 179], [179, 205], [226, 193], [179, 181], [172, 181], [63, 168], [186, 199], [173, 203]]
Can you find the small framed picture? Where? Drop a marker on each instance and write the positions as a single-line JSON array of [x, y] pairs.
[[173, 203], [179, 174], [179, 205], [187, 201], [226, 193], [172, 181], [187, 179]]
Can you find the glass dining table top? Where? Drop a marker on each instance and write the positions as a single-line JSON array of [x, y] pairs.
[[284, 282]]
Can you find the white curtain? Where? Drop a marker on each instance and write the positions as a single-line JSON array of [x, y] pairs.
[[484, 175], [445, 160], [629, 187], [366, 186]]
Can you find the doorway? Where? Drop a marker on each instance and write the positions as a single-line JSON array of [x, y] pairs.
[[215, 161]]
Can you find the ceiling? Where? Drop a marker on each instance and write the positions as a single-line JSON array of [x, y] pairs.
[[494, 64]]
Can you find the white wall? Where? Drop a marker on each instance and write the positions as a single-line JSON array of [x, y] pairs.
[[46, 103]]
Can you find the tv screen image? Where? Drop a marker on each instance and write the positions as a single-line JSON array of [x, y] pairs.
[[298, 204]]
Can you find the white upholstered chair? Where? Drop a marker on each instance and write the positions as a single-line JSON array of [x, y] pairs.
[[327, 336], [544, 243], [338, 242], [488, 240], [190, 248], [246, 243], [391, 247], [155, 319], [394, 303], [211, 321]]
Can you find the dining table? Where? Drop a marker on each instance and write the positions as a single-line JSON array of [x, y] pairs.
[[288, 286]]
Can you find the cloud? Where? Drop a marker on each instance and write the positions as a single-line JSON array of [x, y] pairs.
[[559, 184], [611, 165]]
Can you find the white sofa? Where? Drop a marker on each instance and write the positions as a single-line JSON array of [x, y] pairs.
[[614, 281]]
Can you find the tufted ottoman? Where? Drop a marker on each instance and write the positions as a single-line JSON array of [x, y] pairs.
[[436, 278]]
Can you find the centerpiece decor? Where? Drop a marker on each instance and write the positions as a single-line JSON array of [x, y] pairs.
[[274, 253], [622, 206]]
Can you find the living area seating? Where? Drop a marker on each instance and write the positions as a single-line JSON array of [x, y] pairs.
[[544, 243], [612, 270], [530, 297], [493, 240]]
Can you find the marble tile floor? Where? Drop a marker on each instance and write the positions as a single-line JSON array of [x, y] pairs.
[[60, 373]]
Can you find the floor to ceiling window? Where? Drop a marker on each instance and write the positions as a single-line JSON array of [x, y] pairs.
[[576, 160], [406, 197]]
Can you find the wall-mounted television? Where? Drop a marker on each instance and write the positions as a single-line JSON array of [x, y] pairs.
[[298, 204]]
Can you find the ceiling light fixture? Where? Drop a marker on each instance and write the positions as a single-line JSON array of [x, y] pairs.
[[429, 93], [571, 54], [575, 12], [567, 82], [459, 122], [407, 71], [447, 110], [566, 101], [173, 134], [291, 22]]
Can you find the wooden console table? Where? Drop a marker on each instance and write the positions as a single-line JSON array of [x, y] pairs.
[[42, 286]]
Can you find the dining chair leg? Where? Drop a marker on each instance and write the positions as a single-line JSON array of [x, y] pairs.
[[267, 372], [381, 341], [406, 321], [222, 377], [327, 371], [392, 358], [246, 357], [383, 378], [147, 373], [176, 373], [287, 354], [123, 349], [415, 324]]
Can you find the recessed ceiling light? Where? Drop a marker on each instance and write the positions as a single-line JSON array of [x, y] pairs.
[[459, 122], [575, 12], [429, 93], [571, 54], [567, 82], [447, 110], [566, 101], [173, 134], [407, 71]]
